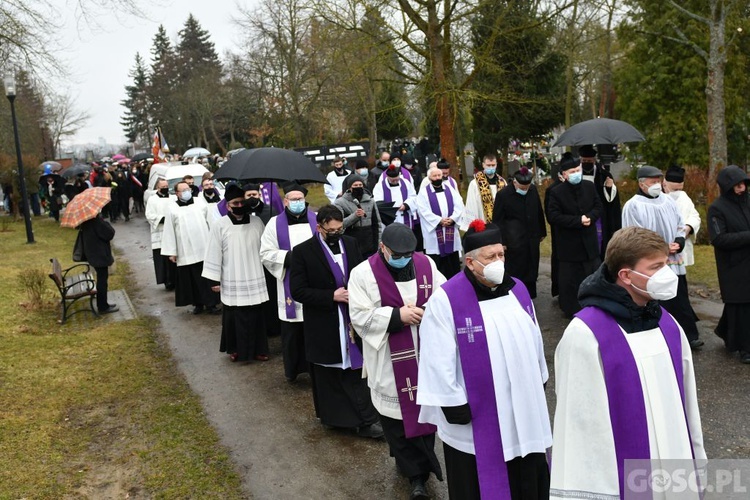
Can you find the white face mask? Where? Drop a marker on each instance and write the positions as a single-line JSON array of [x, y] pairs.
[[494, 272], [186, 195], [674, 194], [654, 190], [662, 285], [397, 163]]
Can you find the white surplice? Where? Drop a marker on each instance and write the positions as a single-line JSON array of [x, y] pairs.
[[185, 233], [660, 215], [519, 372], [233, 259], [156, 211], [583, 451], [398, 199], [332, 190], [273, 258], [370, 321], [430, 221], [690, 217]]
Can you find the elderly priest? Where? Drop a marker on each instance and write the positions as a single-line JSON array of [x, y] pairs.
[[387, 296], [481, 377]]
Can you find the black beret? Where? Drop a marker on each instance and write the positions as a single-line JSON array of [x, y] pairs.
[[523, 176], [480, 235], [568, 161], [392, 171], [399, 238], [251, 186], [293, 186], [587, 151], [648, 171], [233, 191], [675, 173]]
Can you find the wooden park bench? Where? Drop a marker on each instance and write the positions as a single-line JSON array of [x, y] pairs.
[[73, 286]]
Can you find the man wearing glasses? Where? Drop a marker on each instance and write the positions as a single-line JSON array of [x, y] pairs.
[[319, 277]]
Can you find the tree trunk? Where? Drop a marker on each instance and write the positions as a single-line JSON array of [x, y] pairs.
[[716, 109]]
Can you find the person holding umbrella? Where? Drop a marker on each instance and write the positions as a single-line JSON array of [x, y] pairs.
[[84, 213], [52, 190]]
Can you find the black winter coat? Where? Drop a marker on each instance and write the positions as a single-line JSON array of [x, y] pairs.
[[574, 242], [97, 233], [312, 284], [729, 230]]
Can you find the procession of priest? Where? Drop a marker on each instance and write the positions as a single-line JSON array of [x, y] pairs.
[[412, 312]]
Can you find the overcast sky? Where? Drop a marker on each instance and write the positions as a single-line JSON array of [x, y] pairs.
[[99, 58]]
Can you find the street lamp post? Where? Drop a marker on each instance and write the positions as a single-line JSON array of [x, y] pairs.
[[10, 92]]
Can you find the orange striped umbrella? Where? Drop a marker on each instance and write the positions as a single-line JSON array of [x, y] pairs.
[[85, 206]]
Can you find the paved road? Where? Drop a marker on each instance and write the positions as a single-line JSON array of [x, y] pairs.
[[282, 452]]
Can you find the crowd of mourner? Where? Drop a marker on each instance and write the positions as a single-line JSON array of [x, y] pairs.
[[412, 309]]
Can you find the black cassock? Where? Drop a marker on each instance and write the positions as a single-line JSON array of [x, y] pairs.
[[611, 216], [521, 222]]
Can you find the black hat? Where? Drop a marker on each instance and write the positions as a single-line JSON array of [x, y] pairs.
[[392, 171], [408, 159], [568, 161], [587, 151], [293, 186], [395, 154], [675, 173], [351, 179], [647, 171], [443, 164], [523, 176], [251, 186], [399, 238], [361, 163], [233, 191], [480, 235]]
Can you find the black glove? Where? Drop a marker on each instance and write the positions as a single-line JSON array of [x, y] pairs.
[[680, 241], [460, 415]]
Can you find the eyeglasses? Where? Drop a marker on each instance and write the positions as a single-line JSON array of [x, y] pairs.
[[401, 255], [334, 232]]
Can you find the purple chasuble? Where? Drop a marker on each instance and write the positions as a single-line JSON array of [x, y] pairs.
[[388, 196], [627, 409], [341, 280], [445, 235], [269, 193], [401, 343], [476, 366], [282, 235]]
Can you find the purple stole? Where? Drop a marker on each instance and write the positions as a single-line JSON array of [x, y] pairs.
[[282, 235], [222, 207], [269, 195], [445, 235], [627, 409], [476, 366], [341, 280], [387, 196], [401, 343]]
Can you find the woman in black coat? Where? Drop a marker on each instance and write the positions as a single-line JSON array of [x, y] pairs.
[[97, 234], [729, 230]]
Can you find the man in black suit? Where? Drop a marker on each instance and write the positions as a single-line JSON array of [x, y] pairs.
[[572, 211], [319, 274]]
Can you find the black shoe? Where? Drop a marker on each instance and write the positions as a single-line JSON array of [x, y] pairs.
[[198, 310], [696, 343], [374, 431], [745, 357], [213, 310], [112, 308], [418, 489], [291, 380]]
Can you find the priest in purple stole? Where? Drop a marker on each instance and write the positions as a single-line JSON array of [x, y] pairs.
[[387, 296], [284, 232], [482, 374], [624, 376], [440, 211], [319, 276]]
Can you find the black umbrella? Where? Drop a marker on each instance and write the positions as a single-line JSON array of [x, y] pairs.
[[57, 180], [141, 156], [80, 168], [265, 164], [388, 211], [599, 131]]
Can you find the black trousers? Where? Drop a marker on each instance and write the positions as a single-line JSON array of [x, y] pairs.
[[415, 457], [341, 397], [570, 275], [680, 308], [528, 476], [293, 349], [449, 266], [102, 279]]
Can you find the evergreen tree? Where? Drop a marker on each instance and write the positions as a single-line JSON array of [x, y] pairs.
[[519, 87], [135, 120], [160, 89]]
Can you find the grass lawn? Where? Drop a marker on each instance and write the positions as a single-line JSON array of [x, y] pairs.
[[93, 408]]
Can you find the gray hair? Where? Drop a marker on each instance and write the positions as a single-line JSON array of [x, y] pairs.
[[434, 169], [472, 254]]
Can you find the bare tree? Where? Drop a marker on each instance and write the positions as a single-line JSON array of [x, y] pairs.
[[63, 119]]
